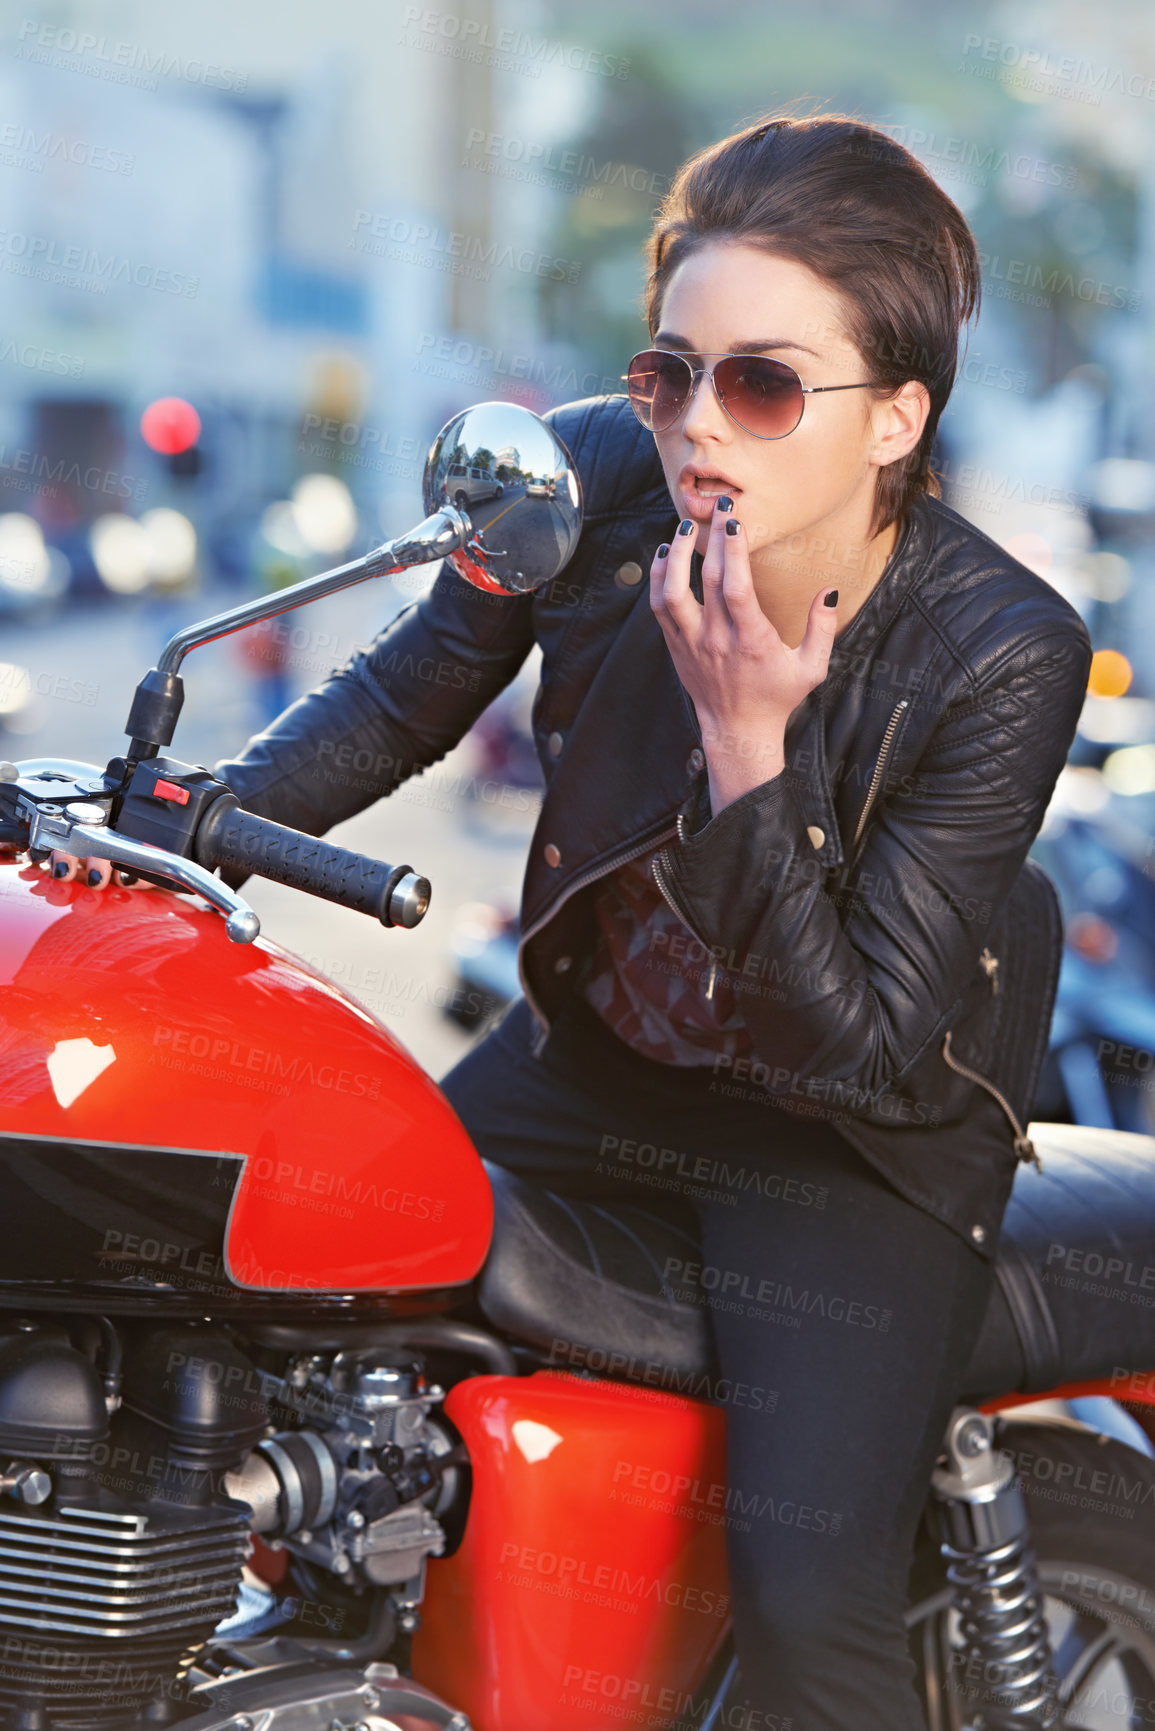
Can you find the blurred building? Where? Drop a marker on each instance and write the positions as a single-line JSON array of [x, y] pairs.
[[263, 210]]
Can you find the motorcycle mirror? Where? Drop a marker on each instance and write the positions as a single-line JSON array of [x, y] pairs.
[[512, 479], [535, 511]]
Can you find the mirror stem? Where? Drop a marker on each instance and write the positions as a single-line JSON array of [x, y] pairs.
[[157, 704]]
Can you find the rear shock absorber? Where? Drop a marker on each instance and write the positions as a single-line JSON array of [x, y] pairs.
[[1005, 1667]]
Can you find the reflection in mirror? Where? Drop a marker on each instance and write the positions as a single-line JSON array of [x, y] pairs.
[[514, 481]]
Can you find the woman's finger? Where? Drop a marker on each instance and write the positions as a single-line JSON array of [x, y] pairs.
[[658, 588], [96, 873], [714, 558], [738, 583], [670, 594], [822, 622], [716, 617], [64, 866]]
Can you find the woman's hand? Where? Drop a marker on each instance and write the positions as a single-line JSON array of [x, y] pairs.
[[97, 873], [744, 681]]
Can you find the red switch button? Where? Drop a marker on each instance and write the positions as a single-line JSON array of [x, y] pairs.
[[170, 790]]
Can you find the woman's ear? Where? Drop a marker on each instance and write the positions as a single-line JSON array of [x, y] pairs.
[[898, 422]]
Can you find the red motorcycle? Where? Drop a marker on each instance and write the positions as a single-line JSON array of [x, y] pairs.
[[311, 1418]]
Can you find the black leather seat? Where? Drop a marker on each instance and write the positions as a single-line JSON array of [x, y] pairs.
[[1074, 1296]]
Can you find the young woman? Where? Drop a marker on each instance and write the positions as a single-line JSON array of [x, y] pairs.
[[807, 287], [777, 916]]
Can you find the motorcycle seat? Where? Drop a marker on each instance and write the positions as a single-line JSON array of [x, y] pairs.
[[581, 1278]]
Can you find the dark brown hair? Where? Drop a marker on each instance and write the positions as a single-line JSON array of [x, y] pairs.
[[841, 197]]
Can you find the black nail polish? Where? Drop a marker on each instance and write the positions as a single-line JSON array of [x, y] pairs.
[[663, 549], [60, 869], [733, 526], [93, 877], [831, 599], [725, 503], [686, 526]]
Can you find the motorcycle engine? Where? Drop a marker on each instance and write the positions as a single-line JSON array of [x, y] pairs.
[[356, 1486], [140, 1460]]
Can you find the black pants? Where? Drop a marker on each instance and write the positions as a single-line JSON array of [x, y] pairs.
[[870, 1310]]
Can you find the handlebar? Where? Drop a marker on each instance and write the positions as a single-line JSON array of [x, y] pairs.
[[236, 839], [176, 823]]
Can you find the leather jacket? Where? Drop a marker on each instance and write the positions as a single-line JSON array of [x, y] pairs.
[[895, 952]]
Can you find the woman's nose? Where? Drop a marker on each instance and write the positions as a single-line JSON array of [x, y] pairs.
[[704, 415]]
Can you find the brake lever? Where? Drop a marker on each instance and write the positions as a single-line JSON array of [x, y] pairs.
[[79, 828]]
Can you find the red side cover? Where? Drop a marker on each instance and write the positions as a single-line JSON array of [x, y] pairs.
[[591, 1582]]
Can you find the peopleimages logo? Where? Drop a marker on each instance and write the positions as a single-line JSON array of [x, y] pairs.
[[119, 62], [408, 242], [514, 50], [525, 1565], [534, 155], [38, 467], [222, 1058], [24, 147], [40, 360], [469, 359], [1020, 279], [983, 159], [85, 267], [288, 1176], [1038, 69]]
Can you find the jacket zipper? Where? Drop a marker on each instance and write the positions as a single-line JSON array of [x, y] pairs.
[[887, 738], [661, 864], [578, 884], [1024, 1147]]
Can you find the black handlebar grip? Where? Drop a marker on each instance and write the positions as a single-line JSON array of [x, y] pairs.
[[234, 838]]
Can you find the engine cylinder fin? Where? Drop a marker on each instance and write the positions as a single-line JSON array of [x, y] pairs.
[[102, 1609]]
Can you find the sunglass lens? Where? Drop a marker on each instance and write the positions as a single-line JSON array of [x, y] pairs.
[[762, 395], [658, 385]]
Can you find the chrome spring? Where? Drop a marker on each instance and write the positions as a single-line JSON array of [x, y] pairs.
[[1006, 1658]]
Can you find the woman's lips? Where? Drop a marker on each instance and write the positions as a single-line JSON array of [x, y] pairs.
[[701, 508]]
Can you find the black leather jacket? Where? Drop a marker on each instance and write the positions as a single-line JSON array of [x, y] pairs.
[[895, 952]]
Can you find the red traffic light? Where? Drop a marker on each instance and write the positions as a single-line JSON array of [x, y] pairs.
[[170, 425]]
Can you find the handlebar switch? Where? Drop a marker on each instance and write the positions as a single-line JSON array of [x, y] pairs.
[[165, 803]]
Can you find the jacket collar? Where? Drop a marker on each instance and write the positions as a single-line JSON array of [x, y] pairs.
[[899, 574], [807, 729]]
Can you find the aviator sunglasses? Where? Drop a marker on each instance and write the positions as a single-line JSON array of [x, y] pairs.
[[763, 396]]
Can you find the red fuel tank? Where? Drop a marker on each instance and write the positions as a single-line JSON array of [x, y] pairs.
[[184, 1119]]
